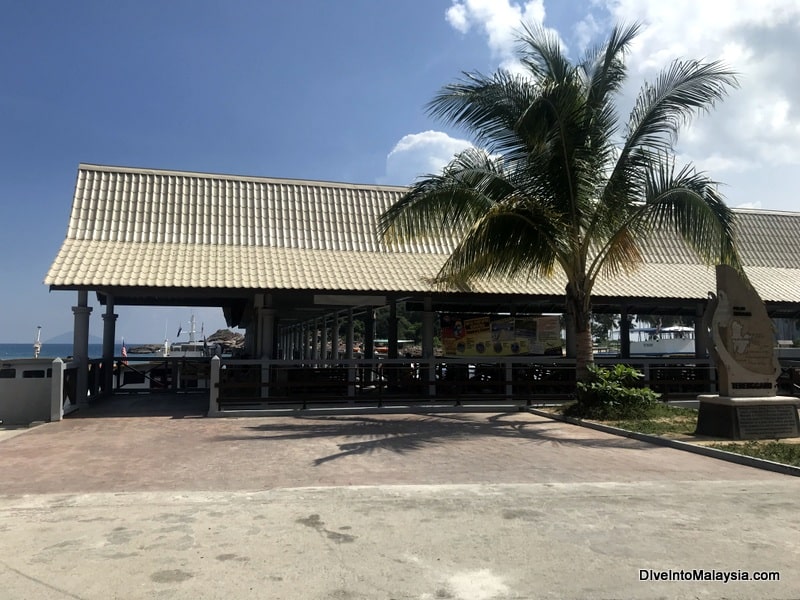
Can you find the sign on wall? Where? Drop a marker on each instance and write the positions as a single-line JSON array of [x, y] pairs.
[[496, 335]]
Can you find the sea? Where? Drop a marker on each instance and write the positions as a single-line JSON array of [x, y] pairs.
[[9, 351]]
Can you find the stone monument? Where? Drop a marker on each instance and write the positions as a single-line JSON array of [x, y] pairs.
[[743, 347]]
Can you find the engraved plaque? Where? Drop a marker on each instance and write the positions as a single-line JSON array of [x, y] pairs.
[[767, 421]]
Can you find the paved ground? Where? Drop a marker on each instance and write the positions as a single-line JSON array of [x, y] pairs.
[[462, 506]]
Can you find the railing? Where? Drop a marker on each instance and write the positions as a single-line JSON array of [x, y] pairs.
[[279, 384], [163, 374]]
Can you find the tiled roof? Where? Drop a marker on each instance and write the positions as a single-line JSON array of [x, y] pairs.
[[145, 228]]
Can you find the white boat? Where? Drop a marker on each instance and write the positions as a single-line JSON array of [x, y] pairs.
[[191, 348], [663, 341]]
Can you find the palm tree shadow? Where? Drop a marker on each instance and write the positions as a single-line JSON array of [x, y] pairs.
[[371, 434]]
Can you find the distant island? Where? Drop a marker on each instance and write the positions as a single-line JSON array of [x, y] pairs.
[[68, 337]]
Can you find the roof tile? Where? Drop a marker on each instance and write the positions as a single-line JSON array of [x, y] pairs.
[[137, 227]]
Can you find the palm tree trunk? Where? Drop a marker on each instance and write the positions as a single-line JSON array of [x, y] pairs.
[[579, 310]]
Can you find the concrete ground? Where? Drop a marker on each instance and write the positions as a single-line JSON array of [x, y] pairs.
[[164, 503]]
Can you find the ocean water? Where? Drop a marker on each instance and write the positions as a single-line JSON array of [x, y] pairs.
[[8, 351]]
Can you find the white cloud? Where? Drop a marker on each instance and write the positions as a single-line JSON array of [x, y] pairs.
[[757, 127], [419, 154], [754, 131], [456, 15], [499, 20]]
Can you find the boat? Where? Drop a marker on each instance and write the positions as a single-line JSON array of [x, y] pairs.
[[675, 340], [193, 348]]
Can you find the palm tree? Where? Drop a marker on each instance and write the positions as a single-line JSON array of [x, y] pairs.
[[559, 183]]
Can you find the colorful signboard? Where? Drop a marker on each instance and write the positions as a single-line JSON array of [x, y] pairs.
[[496, 335]]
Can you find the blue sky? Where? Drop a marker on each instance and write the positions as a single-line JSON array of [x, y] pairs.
[[322, 89]]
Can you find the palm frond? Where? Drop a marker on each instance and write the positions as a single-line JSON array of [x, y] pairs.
[[688, 202], [487, 107], [680, 92], [621, 255], [540, 51], [509, 239], [468, 187], [605, 69]]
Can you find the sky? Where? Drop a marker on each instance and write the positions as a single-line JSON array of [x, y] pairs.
[[327, 90]]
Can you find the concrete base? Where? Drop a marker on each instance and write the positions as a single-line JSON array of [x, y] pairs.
[[765, 418]]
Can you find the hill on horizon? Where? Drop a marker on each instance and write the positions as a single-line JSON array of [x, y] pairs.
[[67, 338]]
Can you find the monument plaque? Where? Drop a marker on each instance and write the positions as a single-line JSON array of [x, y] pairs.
[[767, 421], [743, 348]]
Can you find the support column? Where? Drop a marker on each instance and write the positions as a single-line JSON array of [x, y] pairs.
[[337, 325], [369, 333], [369, 342], [80, 347], [569, 332], [624, 334], [298, 341], [428, 371], [393, 372], [109, 335], [393, 353], [267, 336], [250, 333], [427, 328], [700, 332], [351, 368], [349, 339], [264, 346], [315, 340], [324, 335], [266, 333]]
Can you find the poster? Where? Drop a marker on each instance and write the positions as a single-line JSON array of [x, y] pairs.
[[496, 335]]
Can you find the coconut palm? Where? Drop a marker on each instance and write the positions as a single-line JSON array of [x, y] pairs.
[[557, 182]]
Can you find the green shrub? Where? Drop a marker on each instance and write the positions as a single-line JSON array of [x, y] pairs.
[[613, 394]]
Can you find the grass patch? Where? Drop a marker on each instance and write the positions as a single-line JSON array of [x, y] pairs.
[[669, 421], [662, 420], [779, 452]]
